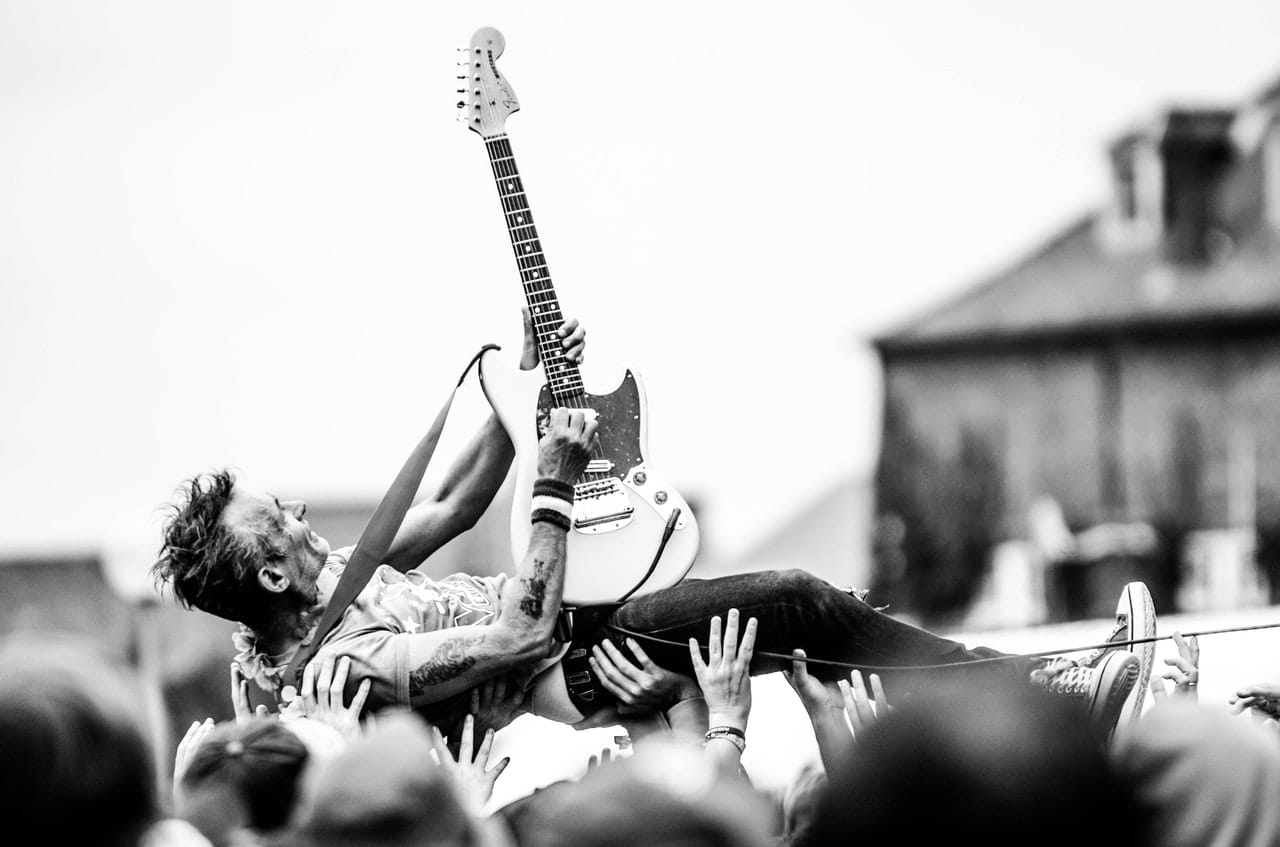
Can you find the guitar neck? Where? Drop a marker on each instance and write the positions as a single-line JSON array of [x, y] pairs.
[[539, 292]]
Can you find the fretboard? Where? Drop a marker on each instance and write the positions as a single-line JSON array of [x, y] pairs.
[[539, 293]]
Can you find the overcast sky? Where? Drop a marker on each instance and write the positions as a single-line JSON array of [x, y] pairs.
[[252, 233]]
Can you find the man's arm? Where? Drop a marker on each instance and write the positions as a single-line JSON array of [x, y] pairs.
[[474, 477], [450, 661]]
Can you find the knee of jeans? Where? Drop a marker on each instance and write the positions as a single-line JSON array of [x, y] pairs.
[[795, 584]]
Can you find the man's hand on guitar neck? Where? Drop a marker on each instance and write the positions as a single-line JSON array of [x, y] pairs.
[[573, 338]]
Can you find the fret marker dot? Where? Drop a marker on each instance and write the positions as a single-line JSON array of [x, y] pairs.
[[528, 248], [537, 309], [535, 273], [510, 185], [519, 219]]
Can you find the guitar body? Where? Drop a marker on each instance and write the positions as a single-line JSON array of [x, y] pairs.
[[621, 509]]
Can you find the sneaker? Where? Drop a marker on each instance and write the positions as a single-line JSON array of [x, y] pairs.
[[1104, 688], [1135, 603]]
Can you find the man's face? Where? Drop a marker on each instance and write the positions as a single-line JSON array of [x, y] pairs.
[[284, 525]]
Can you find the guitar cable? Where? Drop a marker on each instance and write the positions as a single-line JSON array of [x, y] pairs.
[[852, 666]]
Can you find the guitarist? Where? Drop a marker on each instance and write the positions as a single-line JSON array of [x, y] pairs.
[[242, 554]]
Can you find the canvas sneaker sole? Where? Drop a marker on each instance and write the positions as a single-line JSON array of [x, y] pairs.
[[1115, 680], [1135, 601]]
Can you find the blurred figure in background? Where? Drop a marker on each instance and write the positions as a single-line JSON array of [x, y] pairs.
[[77, 765], [1203, 777], [996, 768]]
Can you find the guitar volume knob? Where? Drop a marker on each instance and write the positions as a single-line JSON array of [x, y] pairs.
[[660, 497], [641, 478]]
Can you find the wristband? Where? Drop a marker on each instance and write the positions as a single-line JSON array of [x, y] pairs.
[[552, 517], [547, 486]]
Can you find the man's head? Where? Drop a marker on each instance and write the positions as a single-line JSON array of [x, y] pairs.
[[239, 553]]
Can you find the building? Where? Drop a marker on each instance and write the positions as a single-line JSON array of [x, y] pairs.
[[1128, 369]]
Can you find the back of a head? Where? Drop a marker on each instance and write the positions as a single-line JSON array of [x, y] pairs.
[[76, 766], [1013, 767], [243, 774], [1204, 776], [385, 789], [664, 796]]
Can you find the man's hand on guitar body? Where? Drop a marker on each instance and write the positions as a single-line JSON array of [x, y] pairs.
[[564, 451], [573, 338]]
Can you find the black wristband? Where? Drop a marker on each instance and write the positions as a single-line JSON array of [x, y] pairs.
[[550, 516], [546, 486]]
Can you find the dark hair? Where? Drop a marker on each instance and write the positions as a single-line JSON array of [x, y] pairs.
[[209, 565], [261, 760], [77, 768], [1005, 767]]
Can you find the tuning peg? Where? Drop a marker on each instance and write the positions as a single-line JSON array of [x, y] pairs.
[[462, 104]]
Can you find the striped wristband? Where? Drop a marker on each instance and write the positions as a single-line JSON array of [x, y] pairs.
[[552, 503]]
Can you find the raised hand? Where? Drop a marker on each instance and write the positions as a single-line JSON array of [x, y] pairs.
[[497, 701], [468, 772], [646, 687], [240, 698], [322, 694], [862, 713], [1261, 698], [725, 677], [1184, 669], [187, 748]]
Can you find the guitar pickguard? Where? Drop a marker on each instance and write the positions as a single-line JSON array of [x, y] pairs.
[[618, 425]]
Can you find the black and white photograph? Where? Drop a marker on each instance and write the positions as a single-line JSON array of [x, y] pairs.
[[558, 423]]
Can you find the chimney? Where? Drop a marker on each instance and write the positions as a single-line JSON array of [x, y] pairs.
[[1196, 152]]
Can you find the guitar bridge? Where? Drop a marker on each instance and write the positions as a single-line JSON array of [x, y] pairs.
[[601, 506]]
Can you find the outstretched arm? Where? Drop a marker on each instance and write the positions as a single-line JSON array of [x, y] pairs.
[[450, 661], [474, 477]]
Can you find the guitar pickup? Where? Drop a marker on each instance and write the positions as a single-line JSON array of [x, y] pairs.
[[599, 466], [596, 520]]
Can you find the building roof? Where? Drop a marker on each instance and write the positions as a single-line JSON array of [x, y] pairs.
[[1073, 286], [1085, 283]]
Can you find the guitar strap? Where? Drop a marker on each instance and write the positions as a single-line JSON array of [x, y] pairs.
[[377, 536]]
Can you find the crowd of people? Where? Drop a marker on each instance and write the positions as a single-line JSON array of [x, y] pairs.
[[391, 691], [994, 763]]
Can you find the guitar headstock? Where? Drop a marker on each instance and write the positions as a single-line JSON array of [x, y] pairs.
[[486, 96]]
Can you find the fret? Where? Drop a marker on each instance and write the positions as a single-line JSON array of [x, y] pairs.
[[563, 376]]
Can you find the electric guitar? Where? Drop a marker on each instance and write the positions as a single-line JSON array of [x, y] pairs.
[[631, 533]]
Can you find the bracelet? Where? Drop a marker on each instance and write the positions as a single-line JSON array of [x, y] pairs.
[[732, 734], [552, 502]]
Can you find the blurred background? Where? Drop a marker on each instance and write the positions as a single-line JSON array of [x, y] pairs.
[[976, 305]]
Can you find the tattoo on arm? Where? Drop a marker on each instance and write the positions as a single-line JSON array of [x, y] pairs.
[[535, 590], [450, 659]]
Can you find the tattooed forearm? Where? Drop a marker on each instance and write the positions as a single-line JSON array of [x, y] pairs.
[[450, 659], [535, 590]]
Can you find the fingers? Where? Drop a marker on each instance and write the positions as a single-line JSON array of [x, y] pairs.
[[362, 694], [337, 687], [641, 656], [856, 703], [486, 745], [610, 677], [729, 651], [573, 338], [714, 643], [799, 669], [500, 767], [239, 693], [695, 658], [747, 648], [1158, 691], [620, 662], [260, 711], [467, 742], [440, 748], [877, 692]]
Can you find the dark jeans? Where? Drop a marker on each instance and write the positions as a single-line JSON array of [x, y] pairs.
[[796, 609]]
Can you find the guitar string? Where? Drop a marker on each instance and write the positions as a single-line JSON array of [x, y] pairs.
[[499, 148]]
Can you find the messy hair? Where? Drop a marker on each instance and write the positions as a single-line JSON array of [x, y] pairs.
[[208, 564]]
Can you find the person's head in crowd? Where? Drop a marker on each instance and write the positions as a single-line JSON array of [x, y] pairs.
[[386, 789], [960, 765], [75, 764], [667, 795], [243, 776], [1203, 776]]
